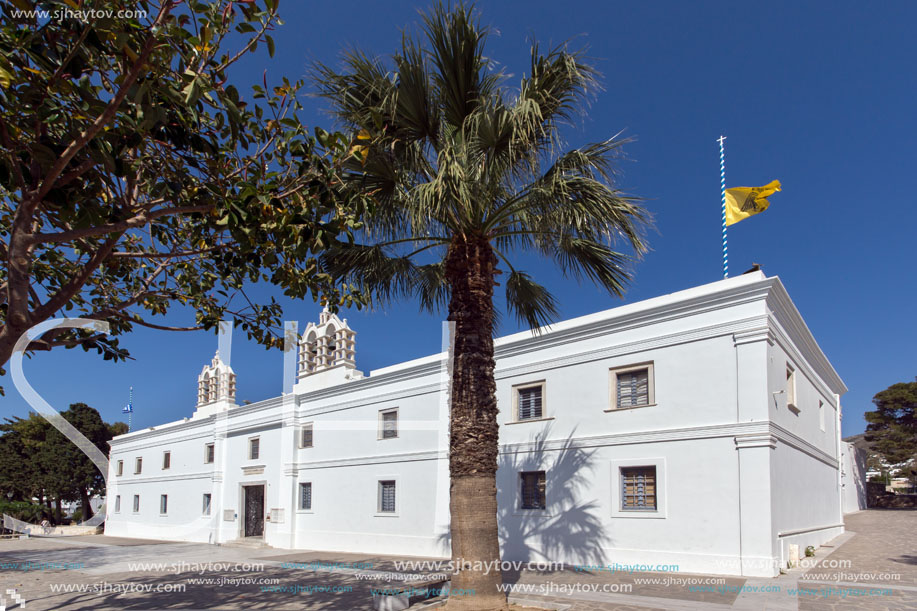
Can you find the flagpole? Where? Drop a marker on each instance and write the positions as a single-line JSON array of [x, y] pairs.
[[722, 140]]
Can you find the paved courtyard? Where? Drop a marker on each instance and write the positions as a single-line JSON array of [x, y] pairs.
[[872, 566]]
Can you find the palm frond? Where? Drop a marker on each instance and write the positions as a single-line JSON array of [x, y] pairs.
[[528, 301], [432, 288], [586, 258], [457, 51]]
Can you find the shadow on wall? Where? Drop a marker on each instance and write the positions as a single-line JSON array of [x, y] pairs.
[[569, 529]]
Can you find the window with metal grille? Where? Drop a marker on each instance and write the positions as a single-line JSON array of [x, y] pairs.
[[389, 424], [138, 466], [533, 490], [254, 448], [529, 402], [136, 503], [305, 440], [206, 508], [208, 453], [387, 496], [638, 488], [633, 388], [163, 503], [166, 460], [305, 495]]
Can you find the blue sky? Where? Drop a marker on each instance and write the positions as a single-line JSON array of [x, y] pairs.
[[817, 95]]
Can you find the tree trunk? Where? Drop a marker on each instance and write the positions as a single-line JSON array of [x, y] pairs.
[[474, 431], [58, 511], [85, 505]]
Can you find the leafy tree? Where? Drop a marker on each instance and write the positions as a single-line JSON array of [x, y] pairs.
[[135, 176], [37, 461], [462, 171], [892, 428]]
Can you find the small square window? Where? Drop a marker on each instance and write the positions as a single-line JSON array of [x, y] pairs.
[[387, 496], [138, 466], [120, 467], [305, 495], [206, 507], [166, 460], [163, 504], [388, 424], [254, 448], [136, 503], [530, 401], [533, 490], [208, 453], [305, 438], [118, 503], [638, 488], [632, 386]]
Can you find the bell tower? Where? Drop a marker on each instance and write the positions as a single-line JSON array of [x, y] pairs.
[[216, 388], [327, 354]]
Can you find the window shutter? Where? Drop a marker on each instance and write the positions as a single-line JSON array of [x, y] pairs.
[[387, 500], [389, 425], [638, 488], [305, 495], [529, 403], [633, 388]]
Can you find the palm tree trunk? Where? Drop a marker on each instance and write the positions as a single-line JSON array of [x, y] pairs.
[[474, 432]]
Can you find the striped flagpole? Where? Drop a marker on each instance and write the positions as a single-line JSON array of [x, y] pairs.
[[722, 140]]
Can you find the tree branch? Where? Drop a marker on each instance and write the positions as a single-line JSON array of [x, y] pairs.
[[132, 223]]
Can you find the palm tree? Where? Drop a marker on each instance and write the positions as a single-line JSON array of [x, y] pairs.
[[457, 171]]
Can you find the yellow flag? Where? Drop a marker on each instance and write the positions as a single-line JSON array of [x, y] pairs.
[[743, 202]]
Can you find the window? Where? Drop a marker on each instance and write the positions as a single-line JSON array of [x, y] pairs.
[[305, 438], [632, 386], [305, 495], [388, 424], [206, 508], [533, 490], [120, 467], [530, 401], [136, 503], [254, 448], [163, 504], [821, 415], [118, 503], [208, 453], [387, 496], [138, 466], [166, 460], [638, 488], [791, 388]]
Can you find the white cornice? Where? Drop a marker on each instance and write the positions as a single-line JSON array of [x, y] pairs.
[[790, 321], [367, 460], [163, 429], [172, 477]]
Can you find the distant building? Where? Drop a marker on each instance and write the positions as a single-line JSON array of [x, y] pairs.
[[698, 429]]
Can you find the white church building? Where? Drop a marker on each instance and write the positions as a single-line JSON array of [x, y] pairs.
[[699, 429]]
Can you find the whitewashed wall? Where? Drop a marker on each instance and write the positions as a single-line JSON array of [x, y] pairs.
[[740, 475]]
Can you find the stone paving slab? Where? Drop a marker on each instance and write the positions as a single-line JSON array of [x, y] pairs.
[[885, 544]]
